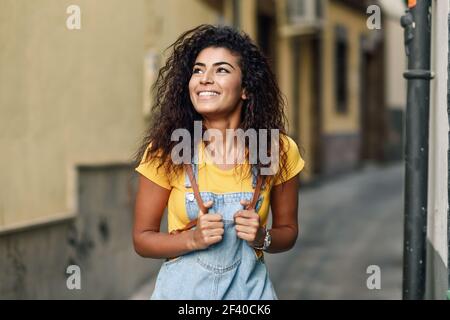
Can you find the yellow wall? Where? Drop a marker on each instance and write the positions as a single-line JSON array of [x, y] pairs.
[[167, 19], [247, 15], [355, 23], [285, 76], [248, 18], [71, 97], [306, 88], [396, 64]]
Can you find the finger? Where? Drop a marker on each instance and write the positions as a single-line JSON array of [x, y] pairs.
[[214, 225], [214, 239], [246, 229], [207, 205], [212, 217], [245, 236], [207, 233], [206, 219], [249, 214], [215, 232], [245, 203], [246, 222]]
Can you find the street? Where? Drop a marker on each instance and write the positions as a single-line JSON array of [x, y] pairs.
[[346, 225]]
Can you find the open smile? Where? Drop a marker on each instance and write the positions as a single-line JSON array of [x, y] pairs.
[[208, 94]]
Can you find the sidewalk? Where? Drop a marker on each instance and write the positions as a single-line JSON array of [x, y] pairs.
[[145, 291]]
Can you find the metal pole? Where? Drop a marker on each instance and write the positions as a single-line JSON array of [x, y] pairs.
[[417, 24]]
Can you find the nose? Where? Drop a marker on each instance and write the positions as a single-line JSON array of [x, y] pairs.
[[206, 78]]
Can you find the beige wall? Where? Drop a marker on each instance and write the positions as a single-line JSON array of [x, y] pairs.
[[355, 23], [167, 19], [394, 50], [248, 18], [395, 85], [285, 77], [306, 88], [71, 97]]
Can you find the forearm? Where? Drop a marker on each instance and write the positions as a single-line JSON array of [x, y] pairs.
[[158, 245], [283, 238]]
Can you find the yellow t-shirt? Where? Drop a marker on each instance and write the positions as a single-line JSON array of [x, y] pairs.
[[213, 179]]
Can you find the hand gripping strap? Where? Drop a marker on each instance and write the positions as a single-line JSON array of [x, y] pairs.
[[199, 200]]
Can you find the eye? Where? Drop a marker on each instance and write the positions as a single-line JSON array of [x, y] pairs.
[[222, 70], [196, 70]]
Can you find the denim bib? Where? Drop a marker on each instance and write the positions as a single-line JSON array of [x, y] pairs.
[[227, 270]]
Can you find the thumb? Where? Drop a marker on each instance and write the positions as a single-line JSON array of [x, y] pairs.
[[207, 205], [245, 203]]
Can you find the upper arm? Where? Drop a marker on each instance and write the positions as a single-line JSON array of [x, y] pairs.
[[151, 200], [284, 193], [294, 162], [284, 203]]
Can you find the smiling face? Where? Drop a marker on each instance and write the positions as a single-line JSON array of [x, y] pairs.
[[215, 87]]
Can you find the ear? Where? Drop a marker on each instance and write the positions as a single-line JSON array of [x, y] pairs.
[[244, 94]]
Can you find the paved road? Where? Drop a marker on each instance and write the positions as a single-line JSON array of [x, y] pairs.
[[346, 225]]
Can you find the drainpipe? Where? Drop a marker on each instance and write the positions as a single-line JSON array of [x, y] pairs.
[[448, 162], [417, 25]]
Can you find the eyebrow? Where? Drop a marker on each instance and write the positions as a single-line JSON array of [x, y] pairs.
[[214, 64]]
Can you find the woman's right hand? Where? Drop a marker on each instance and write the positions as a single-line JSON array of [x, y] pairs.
[[209, 229]]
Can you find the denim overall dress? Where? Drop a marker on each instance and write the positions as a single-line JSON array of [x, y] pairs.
[[227, 270]]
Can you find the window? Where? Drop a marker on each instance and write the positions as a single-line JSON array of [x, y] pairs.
[[304, 11], [236, 14], [341, 69], [299, 17]]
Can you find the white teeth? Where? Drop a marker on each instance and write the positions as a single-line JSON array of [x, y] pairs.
[[208, 93]]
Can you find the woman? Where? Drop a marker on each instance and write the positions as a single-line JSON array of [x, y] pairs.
[[217, 210]]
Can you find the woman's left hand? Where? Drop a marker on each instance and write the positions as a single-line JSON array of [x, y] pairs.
[[248, 226]]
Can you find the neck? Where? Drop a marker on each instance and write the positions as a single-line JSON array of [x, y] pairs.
[[223, 148]]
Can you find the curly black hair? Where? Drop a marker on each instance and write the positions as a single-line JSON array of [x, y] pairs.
[[173, 109]]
